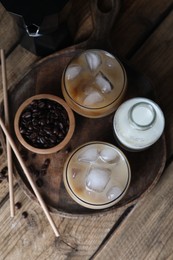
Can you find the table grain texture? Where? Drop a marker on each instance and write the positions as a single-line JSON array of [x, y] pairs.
[[143, 35]]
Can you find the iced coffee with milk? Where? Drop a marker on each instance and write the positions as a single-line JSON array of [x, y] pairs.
[[97, 175], [94, 83]]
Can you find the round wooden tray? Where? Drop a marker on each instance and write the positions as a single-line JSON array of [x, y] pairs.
[[146, 166], [45, 77]]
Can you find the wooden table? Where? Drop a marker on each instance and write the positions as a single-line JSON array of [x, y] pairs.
[[143, 35]]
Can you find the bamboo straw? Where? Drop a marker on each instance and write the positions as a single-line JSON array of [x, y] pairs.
[[33, 185], [9, 151]]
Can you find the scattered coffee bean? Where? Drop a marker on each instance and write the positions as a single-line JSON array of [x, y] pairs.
[[39, 182], [43, 172], [68, 150], [44, 123], [33, 170], [47, 162], [24, 214], [44, 167], [24, 155], [36, 173], [18, 205], [33, 155], [4, 170], [3, 174]]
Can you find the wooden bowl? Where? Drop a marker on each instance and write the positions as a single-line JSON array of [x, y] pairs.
[[45, 77], [49, 149]]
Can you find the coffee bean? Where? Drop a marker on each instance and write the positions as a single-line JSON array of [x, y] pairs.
[[35, 172], [33, 155], [33, 136], [18, 205], [31, 168], [41, 104], [44, 123], [42, 140], [26, 115], [39, 182], [24, 155], [68, 150], [47, 162], [43, 172], [4, 170], [36, 114], [24, 214], [60, 135], [61, 126], [44, 167]]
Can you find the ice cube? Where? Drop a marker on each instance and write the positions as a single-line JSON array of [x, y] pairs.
[[88, 90], [103, 83], [113, 193], [97, 179], [89, 155], [93, 98], [109, 55], [73, 71], [110, 60], [109, 155], [93, 60]]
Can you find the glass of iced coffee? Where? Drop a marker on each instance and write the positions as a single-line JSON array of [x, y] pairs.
[[97, 175], [94, 83]]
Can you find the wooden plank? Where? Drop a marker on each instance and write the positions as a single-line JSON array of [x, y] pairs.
[[148, 232], [18, 63], [4, 185], [9, 36], [157, 48], [136, 21], [155, 59], [32, 238]]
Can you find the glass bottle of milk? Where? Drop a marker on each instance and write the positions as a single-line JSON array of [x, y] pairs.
[[138, 123]]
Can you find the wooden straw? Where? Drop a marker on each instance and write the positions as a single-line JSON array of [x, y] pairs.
[[33, 185], [9, 151]]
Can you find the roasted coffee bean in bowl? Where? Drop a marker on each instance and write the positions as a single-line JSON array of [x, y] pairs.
[[44, 123]]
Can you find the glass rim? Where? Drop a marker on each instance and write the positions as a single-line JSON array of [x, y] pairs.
[[138, 125]]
